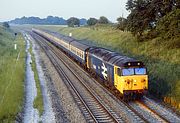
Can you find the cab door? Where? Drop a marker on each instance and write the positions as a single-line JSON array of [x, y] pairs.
[[118, 83], [116, 76]]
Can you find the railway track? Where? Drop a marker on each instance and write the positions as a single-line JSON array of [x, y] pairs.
[[158, 113], [148, 114], [163, 112], [89, 103], [105, 114]]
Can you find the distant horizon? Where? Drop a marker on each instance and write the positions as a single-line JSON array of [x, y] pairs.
[[11, 9], [60, 17], [52, 16]]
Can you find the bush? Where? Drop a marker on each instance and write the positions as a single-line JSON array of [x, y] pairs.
[[168, 29], [103, 20], [92, 21], [73, 22], [6, 25]]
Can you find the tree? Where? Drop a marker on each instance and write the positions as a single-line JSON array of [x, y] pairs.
[[73, 22], [6, 25], [168, 27], [141, 17], [144, 14], [92, 21], [103, 20], [122, 22]]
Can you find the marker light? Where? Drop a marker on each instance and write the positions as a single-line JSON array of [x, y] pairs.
[[143, 80], [128, 81]]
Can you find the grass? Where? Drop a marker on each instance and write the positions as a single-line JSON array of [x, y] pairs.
[[38, 102], [12, 75], [163, 64]]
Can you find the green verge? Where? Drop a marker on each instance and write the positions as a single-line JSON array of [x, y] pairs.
[[38, 102], [162, 63], [12, 75]]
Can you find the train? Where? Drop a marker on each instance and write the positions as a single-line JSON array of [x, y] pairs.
[[124, 75]]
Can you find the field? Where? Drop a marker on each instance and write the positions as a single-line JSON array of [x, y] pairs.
[[162, 63], [12, 74]]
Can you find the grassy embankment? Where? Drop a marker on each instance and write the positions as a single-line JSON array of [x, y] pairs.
[[163, 64], [38, 102], [12, 74]]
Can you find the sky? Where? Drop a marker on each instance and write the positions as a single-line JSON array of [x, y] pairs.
[[112, 9]]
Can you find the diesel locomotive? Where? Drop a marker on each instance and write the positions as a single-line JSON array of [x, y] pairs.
[[125, 75]]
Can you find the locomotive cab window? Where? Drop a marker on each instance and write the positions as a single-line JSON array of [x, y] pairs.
[[127, 71], [133, 71], [140, 71], [119, 71]]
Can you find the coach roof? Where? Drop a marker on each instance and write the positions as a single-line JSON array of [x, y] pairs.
[[79, 45]]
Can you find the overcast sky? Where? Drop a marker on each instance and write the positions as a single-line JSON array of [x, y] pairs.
[[112, 9]]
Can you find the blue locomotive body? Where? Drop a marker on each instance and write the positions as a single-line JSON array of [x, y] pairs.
[[101, 68]]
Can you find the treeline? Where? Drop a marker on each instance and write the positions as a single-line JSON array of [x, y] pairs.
[[71, 22], [50, 20], [153, 18]]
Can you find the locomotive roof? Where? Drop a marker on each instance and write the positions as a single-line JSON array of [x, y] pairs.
[[114, 58]]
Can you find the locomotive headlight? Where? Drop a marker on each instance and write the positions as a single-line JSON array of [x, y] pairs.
[[134, 80]]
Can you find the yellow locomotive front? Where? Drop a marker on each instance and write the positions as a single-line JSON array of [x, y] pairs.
[[132, 82]]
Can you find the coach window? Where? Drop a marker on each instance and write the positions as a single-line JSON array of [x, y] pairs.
[[74, 50], [80, 53]]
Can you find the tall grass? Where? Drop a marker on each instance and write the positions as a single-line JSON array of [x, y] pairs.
[[11, 75], [163, 64]]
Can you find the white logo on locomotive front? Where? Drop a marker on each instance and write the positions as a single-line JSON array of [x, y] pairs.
[[104, 72]]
